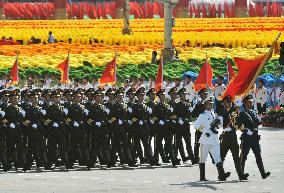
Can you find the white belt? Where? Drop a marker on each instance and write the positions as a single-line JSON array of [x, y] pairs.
[[228, 129]]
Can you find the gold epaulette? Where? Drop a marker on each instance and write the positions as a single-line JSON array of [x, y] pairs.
[[4, 121], [68, 120], [90, 121], [46, 122], [134, 120], [155, 118], [26, 123], [173, 117], [200, 128]]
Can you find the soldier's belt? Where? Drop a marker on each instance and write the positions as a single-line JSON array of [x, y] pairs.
[[46, 122], [26, 123], [90, 121], [112, 120], [134, 120]]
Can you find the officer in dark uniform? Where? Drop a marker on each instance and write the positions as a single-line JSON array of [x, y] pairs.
[[78, 139], [183, 117], [140, 126], [3, 158], [99, 135], [54, 120], [198, 108], [250, 137], [228, 139], [14, 134], [163, 112], [120, 143], [35, 133]]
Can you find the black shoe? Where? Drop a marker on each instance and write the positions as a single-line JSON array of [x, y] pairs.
[[133, 165], [203, 180], [185, 159], [265, 175], [244, 177], [166, 161], [48, 168]]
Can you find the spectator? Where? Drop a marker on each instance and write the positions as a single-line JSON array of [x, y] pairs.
[[50, 38]]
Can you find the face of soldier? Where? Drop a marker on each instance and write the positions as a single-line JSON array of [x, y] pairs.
[[182, 96], [141, 97], [209, 106], [56, 99], [174, 96], [152, 96], [219, 81], [78, 98], [249, 104], [131, 97], [227, 104], [14, 100], [119, 98], [111, 97], [98, 98], [34, 100], [204, 96], [162, 97]]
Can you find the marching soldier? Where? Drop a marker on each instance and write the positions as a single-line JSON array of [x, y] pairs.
[[183, 116], [219, 89], [3, 158], [228, 139], [162, 113], [54, 121], [35, 133], [99, 135], [207, 123], [189, 88], [14, 134], [120, 143], [78, 139], [198, 108], [140, 126], [250, 137]]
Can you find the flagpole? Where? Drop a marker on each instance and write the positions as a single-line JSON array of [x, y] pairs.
[[115, 58], [206, 73], [17, 61], [228, 75], [68, 64]]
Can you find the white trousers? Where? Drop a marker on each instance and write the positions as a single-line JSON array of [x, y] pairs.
[[213, 149]]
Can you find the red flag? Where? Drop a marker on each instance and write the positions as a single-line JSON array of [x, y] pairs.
[[14, 73], [230, 71], [64, 69], [109, 75], [248, 70], [204, 78], [159, 77]]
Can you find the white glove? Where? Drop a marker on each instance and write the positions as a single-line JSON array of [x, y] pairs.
[[161, 122], [129, 122], [86, 111], [55, 125], [249, 132], [171, 109], [149, 110], [129, 110], [2, 113], [180, 122], [34, 126], [152, 122], [23, 113], [65, 111], [12, 125], [98, 124], [190, 109], [76, 124], [119, 122], [107, 111], [140, 122], [43, 111]]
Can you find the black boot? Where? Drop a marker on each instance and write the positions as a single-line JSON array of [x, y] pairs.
[[260, 166], [202, 172], [222, 176], [240, 173]]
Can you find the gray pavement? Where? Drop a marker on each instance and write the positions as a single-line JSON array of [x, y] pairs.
[[163, 179]]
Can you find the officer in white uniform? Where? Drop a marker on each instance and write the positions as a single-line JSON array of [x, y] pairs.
[[209, 141], [189, 88], [280, 94], [219, 90], [261, 97]]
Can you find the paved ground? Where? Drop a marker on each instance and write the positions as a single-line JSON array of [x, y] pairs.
[[164, 179]]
